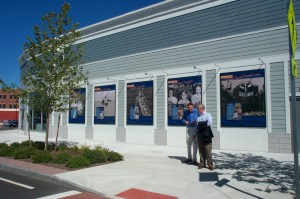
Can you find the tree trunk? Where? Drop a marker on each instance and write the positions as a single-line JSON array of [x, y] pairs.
[[28, 128], [47, 131], [58, 123]]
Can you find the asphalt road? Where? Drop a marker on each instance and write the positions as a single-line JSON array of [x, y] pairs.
[[18, 186]]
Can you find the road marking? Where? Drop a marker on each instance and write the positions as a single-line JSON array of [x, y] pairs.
[[61, 195], [16, 183]]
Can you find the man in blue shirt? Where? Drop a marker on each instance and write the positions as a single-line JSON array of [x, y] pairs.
[[190, 120]]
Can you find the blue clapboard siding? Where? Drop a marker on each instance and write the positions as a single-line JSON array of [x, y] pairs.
[[89, 104], [277, 97], [243, 47], [211, 100], [149, 12], [228, 19], [160, 103], [121, 105]]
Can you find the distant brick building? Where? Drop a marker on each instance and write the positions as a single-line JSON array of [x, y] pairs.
[[9, 106]]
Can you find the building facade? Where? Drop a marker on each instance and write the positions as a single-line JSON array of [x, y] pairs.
[[9, 106], [144, 66]]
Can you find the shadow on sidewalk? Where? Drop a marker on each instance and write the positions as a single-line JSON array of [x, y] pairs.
[[279, 176], [181, 159]]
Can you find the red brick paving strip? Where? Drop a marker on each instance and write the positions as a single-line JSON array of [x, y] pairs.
[[141, 194], [85, 195], [30, 166]]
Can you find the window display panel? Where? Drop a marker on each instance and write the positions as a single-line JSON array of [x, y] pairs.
[[140, 103], [105, 104], [182, 91], [243, 99], [77, 109]]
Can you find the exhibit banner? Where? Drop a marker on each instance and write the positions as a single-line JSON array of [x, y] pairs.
[[243, 99], [140, 103], [105, 104], [77, 109], [182, 91]]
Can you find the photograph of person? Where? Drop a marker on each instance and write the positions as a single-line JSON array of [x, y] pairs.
[[196, 97], [184, 98], [171, 98]]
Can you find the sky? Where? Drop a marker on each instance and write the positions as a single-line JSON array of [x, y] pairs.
[[19, 16]]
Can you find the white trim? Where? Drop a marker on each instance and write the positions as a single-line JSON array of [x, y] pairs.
[[268, 98], [166, 16], [117, 106], [187, 45], [125, 103], [203, 84], [154, 104], [166, 103], [218, 124], [8, 110], [93, 106]]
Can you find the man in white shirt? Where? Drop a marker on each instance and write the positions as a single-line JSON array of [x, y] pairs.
[[204, 136]]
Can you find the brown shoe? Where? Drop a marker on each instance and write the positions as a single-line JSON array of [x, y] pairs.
[[211, 168]]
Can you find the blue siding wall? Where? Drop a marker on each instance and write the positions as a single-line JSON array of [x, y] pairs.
[[228, 19], [211, 100], [160, 103], [121, 103], [242, 47], [278, 97]]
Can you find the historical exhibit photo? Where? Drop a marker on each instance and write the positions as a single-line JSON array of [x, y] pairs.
[[182, 91], [140, 103], [243, 99], [105, 104], [77, 109]]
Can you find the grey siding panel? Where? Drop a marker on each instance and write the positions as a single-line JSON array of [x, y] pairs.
[[141, 14], [211, 99], [89, 105], [160, 103], [121, 103], [65, 118], [55, 115], [224, 20], [254, 45], [277, 97]]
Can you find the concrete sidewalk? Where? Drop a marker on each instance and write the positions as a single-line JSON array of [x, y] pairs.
[[159, 169]]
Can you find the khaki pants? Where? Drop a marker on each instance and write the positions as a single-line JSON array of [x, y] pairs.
[[205, 154], [190, 131]]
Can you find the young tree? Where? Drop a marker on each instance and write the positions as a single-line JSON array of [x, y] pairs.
[[53, 65]]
